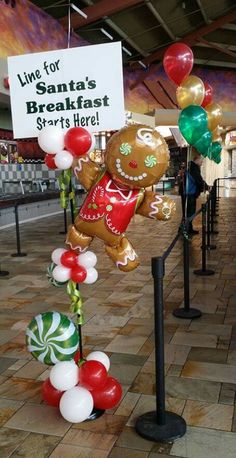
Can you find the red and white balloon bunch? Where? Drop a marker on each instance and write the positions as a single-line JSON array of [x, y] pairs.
[[71, 266], [78, 390], [62, 147]]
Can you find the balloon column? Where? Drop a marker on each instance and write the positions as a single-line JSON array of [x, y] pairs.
[[200, 118], [75, 385], [77, 390]]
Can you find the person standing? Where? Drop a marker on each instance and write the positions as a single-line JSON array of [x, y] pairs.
[[194, 185]]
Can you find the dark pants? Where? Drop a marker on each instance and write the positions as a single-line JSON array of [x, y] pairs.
[[191, 209]]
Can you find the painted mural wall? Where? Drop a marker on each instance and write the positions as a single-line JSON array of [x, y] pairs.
[[26, 28]]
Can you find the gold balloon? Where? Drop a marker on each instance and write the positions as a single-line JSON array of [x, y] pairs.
[[191, 92], [216, 135], [214, 114]]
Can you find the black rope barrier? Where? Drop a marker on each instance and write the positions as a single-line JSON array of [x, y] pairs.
[[203, 271], [209, 245], [160, 425], [186, 311], [18, 245], [3, 273]]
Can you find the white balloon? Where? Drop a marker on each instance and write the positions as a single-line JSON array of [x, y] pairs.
[[51, 139], [92, 276], [56, 255], [63, 160], [101, 357], [64, 375], [61, 273], [76, 404], [88, 259]]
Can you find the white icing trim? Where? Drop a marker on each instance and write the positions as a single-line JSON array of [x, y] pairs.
[[128, 257], [119, 190], [154, 207], [80, 166], [111, 227]]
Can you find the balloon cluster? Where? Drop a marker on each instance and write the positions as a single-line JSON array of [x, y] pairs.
[[62, 148], [77, 390], [68, 265], [200, 117]]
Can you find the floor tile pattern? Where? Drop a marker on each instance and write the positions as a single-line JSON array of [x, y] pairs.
[[200, 355]]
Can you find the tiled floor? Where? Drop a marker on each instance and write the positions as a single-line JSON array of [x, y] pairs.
[[200, 355]]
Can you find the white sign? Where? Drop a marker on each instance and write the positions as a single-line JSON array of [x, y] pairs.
[[68, 88]]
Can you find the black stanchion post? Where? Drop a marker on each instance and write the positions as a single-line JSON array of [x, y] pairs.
[[3, 273], [204, 271], [19, 253], [213, 210], [186, 311], [209, 246], [65, 222], [160, 425]]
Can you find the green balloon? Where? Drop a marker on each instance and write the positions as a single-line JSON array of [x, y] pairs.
[[214, 152], [52, 337], [202, 145], [193, 123]]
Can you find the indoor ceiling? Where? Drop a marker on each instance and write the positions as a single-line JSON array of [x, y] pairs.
[[147, 27]]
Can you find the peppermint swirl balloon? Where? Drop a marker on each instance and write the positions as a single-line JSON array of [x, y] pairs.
[[125, 149], [52, 337], [150, 161]]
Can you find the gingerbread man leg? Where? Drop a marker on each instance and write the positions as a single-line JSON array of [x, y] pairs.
[[123, 255], [77, 240]]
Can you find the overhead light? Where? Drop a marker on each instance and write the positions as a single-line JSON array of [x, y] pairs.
[[107, 34], [127, 51], [142, 64], [78, 10]]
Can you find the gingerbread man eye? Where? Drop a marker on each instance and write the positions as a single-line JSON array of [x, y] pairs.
[[125, 149], [150, 161]]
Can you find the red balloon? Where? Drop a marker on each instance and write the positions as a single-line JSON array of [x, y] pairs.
[[77, 357], [178, 62], [108, 396], [50, 161], [78, 274], [78, 141], [50, 394], [69, 258], [208, 95], [92, 375]]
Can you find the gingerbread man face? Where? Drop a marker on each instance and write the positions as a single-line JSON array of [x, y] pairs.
[[137, 156]]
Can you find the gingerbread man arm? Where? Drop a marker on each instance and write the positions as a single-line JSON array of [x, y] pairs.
[[86, 171], [156, 206]]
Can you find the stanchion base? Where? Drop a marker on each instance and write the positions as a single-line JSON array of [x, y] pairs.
[[147, 427], [3, 273], [190, 313], [205, 272], [211, 247], [96, 413], [20, 255]]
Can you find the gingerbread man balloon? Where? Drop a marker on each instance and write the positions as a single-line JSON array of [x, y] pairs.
[[136, 157]]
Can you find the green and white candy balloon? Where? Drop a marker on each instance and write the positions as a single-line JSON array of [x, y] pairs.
[[52, 337]]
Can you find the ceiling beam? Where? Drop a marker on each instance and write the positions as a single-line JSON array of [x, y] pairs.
[[189, 39], [206, 45], [192, 37], [215, 63], [199, 2], [218, 47], [98, 11], [125, 37], [159, 18], [229, 27]]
